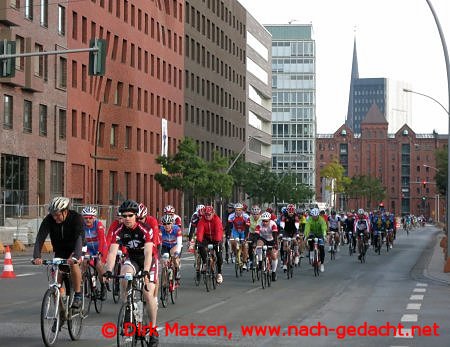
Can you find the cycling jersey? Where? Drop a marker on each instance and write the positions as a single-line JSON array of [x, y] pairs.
[[152, 222], [172, 238], [95, 238], [265, 230], [239, 224], [211, 230], [289, 224], [333, 222], [378, 224], [361, 224], [253, 223], [315, 227], [66, 237]]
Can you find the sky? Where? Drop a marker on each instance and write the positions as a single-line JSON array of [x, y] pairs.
[[396, 39]]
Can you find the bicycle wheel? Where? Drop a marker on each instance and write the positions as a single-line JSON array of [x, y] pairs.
[[207, 279], [76, 317], [164, 288], [146, 321], [173, 288], [262, 273], [197, 264], [50, 318], [316, 263], [350, 248], [97, 292], [288, 264], [213, 273], [116, 284], [88, 294], [379, 244], [125, 334], [269, 272]]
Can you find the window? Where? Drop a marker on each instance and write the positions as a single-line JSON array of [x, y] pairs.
[[101, 134], [44, 13], [42, 120], [112, 186], [61, 20], [130, 96], [118, 94], [7, 112], [74, 25], [20, 48], [39, 61], [128, 137], [74, 123], [113, 135], [27, 116], [83, 125], [29, 9], [138, 139], [57, 178], [62, 73], [14, 181], [83, 77], [74, 74], [62, 124]]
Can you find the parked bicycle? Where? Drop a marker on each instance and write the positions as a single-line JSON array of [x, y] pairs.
[[56, 304]]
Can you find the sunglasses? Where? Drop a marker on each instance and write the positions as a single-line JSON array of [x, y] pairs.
[[167, 223], [142, 218], [88, 217], [265, 221], [127, 215]]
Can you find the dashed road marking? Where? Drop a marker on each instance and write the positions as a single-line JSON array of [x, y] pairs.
[[416, 297], [421, 284], [419, 290], [409, 318], [413, 306], [210, 307], [406, 334]]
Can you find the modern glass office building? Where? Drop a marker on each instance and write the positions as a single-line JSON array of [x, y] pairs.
[[294, 100]]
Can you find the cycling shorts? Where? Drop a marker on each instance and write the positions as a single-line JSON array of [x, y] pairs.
[[139, 265], [238, 234]]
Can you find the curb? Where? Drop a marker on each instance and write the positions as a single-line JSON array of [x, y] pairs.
[[426, 273]]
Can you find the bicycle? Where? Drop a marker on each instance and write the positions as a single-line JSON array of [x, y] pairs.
[[209, 276], [56, 305], [315, 258], [389, 239], [379, 242], [238, 264], [197, 265], [91, 284], [362, 247], [169, 284], [116, 272], [133, 322], [289, 257], [332, 246], [264, 270], [351, 249], [253, 261]]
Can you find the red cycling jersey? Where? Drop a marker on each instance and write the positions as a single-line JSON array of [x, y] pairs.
[[210, 229]]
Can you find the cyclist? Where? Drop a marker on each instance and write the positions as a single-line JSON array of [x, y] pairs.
[[378, 227], [139, 240], [94, 234], [193, 226], [169, 209], [349, 225], [273, 216], [240, 221], [316, 227], [334, 224], [390, 227], [361, 225], [289, 224], [65, 227], [152, 222], [115, 223], [171, 238], [252, 236], [227, 228], [266, 229], [210, 231]]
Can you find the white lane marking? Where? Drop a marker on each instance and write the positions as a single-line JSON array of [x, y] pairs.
[[27, 274], [419, 290], [406, 334], [252, 290], [416, 297], [413, 306], [188, 258], [207, 308], [409, 318], [421, 284]]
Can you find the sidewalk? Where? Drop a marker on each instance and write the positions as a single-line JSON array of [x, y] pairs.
[[435, 268]]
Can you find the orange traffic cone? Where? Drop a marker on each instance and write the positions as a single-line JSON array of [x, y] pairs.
[[8, 271]]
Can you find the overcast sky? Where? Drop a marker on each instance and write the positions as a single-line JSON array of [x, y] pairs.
[[396, 39]]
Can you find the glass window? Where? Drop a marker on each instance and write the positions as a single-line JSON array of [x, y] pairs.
[[43, 120], [62, 124], [29, 9], [7, 112], [14, 181], [57, 178], [27, 116], [44, 13], [61, 20]]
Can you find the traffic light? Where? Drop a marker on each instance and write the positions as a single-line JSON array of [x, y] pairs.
[[424, 184], [97, 59], [7, 66], [424, 198]]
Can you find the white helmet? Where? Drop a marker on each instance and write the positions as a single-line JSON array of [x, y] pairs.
[[314, 212], [238, 205], [199, 207], [360, 211], [89, 211], [58, 204], [256, 210], [266, 216]]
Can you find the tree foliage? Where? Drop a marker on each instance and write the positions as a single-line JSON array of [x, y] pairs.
[[335, 170], [366, 187], [442, 166]]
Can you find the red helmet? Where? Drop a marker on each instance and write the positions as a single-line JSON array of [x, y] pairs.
[[208, 210], [269, 209], [245, 207], [290, 208], [169, 209], [142, 211]]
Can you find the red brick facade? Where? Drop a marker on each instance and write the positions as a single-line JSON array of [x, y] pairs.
[[385, 156]]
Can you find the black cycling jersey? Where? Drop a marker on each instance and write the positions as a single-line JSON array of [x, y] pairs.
[[66, 237]]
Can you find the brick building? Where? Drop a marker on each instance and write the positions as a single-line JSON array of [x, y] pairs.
[[401, 161]]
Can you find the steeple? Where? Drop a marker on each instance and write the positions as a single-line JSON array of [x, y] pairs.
[[354, 76]]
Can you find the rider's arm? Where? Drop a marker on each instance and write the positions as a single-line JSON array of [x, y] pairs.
[[77, 252], [111, 259], [297, 223], [102, 244], [148, 250], [200, 231], [307, 229], [218, 229], [40, 238], [179, 241], [323, 226]]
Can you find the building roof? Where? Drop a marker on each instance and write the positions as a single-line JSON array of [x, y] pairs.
[[374, 116]]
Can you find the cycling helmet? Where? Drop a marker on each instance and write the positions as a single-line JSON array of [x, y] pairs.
[[169, 209], [199, 208], [266, 216], [58, 204], [89, 211], [167, 219], [290, 208], [129, 205], [256, 210], [142, 211], [314, 212], [238, 205], [230, 205], [269, 209], [209, 210], [245, 207], [360, 211]]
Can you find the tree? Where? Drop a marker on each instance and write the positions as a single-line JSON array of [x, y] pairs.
[[442, 166], [366, 187]]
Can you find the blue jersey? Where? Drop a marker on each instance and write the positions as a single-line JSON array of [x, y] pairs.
[[169, 239]]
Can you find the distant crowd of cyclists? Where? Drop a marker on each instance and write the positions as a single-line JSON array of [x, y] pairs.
[[143, 238]]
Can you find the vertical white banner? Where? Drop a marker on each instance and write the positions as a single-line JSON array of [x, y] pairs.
[[164, 138]]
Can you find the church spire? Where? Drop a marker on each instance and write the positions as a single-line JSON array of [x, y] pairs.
[[354, 76]]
